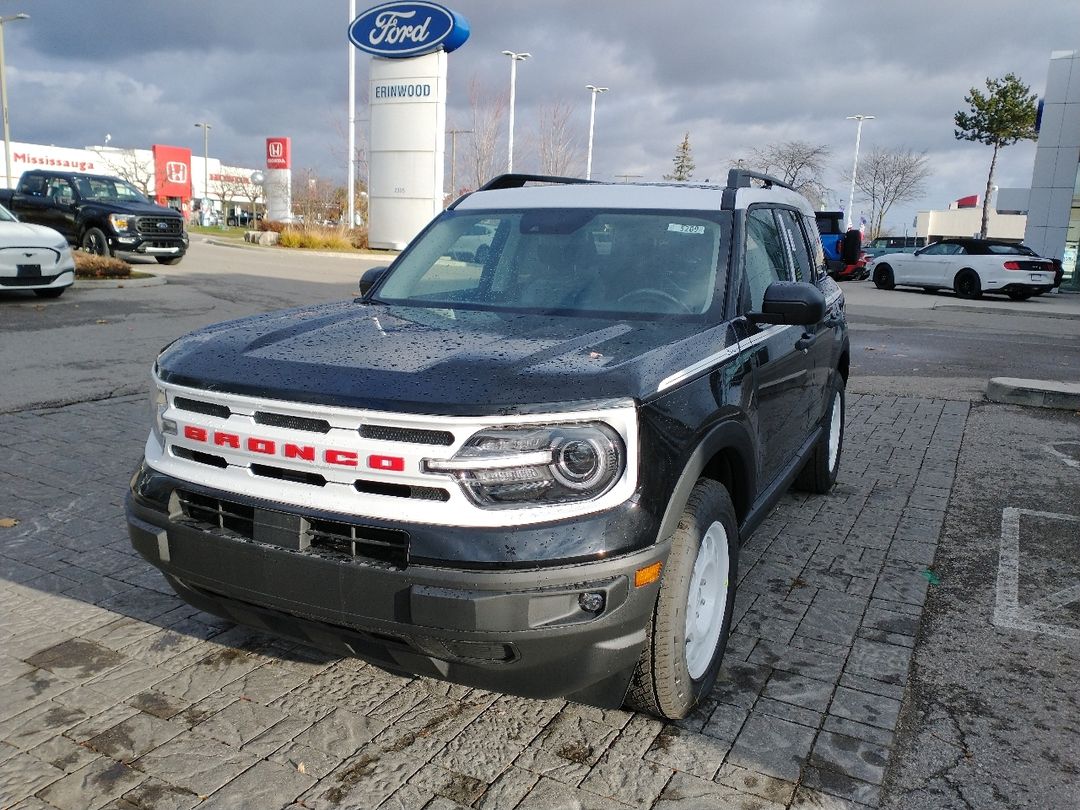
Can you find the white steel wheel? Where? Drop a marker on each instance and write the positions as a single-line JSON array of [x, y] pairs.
[[706, 602], [819, 473], [685, 640], [835, 423]]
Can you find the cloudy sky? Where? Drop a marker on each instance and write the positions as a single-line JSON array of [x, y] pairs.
[[734, 76]]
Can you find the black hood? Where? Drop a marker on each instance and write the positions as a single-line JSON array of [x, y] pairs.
[[431, 360], [145, 209]]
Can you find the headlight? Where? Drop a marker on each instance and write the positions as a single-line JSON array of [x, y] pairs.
[[536, 465], [121, 222], [158, 404]]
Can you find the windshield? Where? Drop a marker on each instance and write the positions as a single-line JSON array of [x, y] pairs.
[[109, 188], [572, 261], [6, 216]]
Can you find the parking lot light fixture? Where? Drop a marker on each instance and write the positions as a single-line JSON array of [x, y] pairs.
[[592, 88], [205, 163], [514, 59], [855, 165], [3, 92]]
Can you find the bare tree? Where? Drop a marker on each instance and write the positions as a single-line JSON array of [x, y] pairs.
[[487, 115], [315, 198], [557, 146], [226, 188], [125, 164], [360, 163], [889, 176], [797, 163], [253, 193]]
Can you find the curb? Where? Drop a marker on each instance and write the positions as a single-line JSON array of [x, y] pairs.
[[1006, 311], [389, 255], [1034, 393], [113, 283]]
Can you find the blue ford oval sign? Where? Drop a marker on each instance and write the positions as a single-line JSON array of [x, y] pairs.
[[405, 29]]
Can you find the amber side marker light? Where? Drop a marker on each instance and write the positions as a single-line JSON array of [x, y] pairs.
[[647, 575]]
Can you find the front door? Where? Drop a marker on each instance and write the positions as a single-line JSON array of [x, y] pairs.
[[783, 380]]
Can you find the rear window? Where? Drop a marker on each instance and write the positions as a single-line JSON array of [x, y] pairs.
[[643, 264]]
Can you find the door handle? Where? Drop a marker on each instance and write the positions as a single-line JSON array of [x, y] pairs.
[[806, 341]]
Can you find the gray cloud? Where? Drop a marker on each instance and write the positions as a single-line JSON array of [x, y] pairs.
[[732, 75]]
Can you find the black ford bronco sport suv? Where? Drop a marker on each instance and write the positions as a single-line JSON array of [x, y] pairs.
[[526, 470]]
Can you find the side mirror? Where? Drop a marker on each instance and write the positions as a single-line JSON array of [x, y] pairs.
[[791, 303], [852, 247], [371, 278]]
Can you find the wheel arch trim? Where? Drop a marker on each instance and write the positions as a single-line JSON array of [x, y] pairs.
[[727, 442]]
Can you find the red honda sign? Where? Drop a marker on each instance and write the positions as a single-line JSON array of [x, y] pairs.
[[172, 171], [278, 153]]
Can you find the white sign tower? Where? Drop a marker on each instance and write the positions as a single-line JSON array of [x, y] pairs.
[[407, 96]]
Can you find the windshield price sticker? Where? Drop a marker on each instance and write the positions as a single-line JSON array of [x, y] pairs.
[[675, 227]]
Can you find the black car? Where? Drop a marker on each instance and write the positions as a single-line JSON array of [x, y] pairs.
[[528, 471], [101, 214]]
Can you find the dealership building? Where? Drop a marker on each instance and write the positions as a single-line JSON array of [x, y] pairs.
[[168, 175]]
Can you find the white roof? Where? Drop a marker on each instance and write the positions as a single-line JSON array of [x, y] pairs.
[[625, 195]]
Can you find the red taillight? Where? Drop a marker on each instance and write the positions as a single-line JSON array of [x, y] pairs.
[[1013, 266]]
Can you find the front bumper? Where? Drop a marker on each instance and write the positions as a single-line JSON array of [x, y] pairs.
[[60, 277], [149, 246], [509, 629]]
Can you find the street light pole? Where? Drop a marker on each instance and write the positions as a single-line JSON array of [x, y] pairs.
[[206, 164], [855, 165], [4, 95], [514, 59], [350, 190], [592, 88], [453, 133]]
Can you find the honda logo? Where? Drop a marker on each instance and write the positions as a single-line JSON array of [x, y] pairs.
[[176, 172], [275, 149]]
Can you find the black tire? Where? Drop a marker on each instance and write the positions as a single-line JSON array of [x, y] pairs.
[[1020, 295], [52, 292], [662, 684], [94, 241], [967, 285], [168, 259], [819, 473], [883, 277]]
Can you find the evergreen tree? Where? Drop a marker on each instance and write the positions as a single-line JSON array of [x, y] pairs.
[[1002, 116], [683, 160]]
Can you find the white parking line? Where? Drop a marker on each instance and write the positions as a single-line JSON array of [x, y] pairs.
[[1052, 449], [1008, 612]]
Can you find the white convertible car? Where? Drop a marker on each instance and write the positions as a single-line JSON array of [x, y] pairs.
[[33, 257], [970, 267]]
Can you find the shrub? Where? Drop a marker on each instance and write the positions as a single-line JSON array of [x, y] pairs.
[[290, 239], [272, 225], [90, 265], [316, 237]]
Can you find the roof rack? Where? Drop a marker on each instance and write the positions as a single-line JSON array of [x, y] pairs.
[[740, 178], [519, 180]]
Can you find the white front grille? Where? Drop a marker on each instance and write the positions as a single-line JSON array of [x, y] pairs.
[[313, 456]]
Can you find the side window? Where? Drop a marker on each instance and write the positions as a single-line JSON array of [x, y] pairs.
[[60, 191], [32, 185], [796, 243], [817, 253], [764, 254]]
